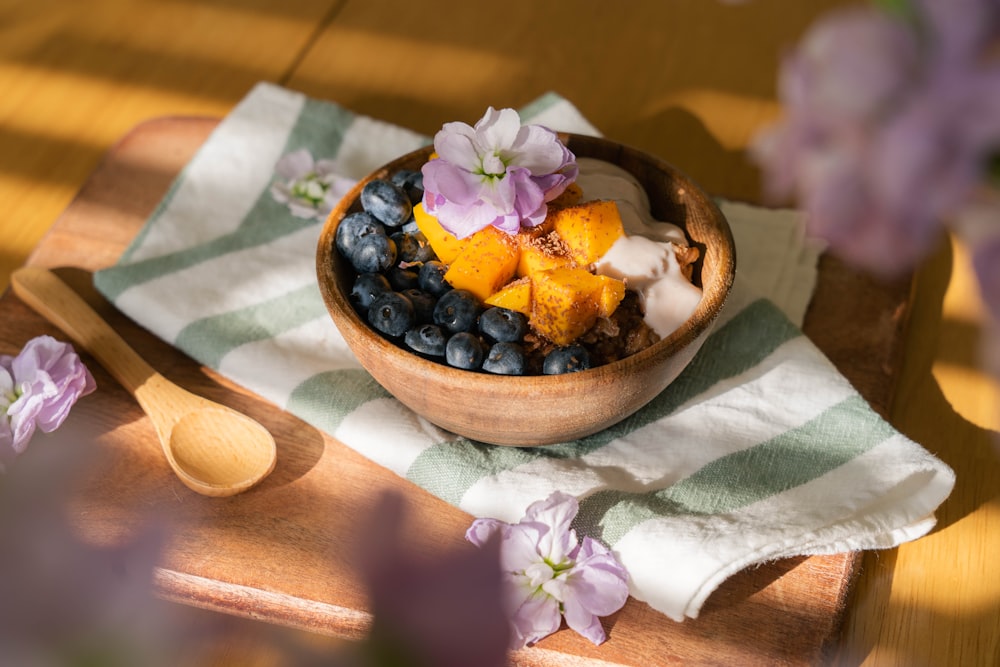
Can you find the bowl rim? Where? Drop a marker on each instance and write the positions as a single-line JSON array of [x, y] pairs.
[[346, 317]]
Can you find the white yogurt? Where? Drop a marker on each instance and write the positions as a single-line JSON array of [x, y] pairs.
[[602, 180], [644, 258]]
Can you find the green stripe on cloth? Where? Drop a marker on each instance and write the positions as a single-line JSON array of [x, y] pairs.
[[320, 127], [140, 237], [539, 106], [828, 441], [268, 222], [742, 343], [211, 338], [325, 399]]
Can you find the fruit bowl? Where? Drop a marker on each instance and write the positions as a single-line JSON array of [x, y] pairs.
[[535, 410]]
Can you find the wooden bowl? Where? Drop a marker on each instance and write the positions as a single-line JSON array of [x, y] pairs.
[[541, 410]]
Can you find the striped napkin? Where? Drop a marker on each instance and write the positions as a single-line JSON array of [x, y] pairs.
[[759, 450]]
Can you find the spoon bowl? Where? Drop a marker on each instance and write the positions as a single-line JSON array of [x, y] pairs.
[[213, 449], [201, 462]]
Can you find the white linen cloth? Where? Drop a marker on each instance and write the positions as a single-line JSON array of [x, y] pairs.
[[760, 450]]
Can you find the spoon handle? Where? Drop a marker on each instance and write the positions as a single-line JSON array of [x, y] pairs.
[[49, 296]]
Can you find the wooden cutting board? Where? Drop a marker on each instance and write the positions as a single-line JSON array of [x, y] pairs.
[[281, 553]]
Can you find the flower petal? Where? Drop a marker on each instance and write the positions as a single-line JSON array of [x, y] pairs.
[[6, 382], [327, 168], [499, 193], [301, 209], [457, 185], [539, 150], [519, 550], [557, 511], [535, 618], [585, 623], [455, 143], [464, 221], [596, 586], [528, 196], [481, 530], [294, 165], [497, 130], [510, 223], [858, 81], [598, 581]]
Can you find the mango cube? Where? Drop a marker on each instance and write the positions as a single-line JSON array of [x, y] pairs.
[[568, 197], [444, 244], [541, 253], [487, 262], [567, 302], [610, 296], [588, 229], [513, 296]]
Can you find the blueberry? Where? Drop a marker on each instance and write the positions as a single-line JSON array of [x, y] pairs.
[[431, 278], [457, 310], [387, 202], [505, 358], [412, 247], [426, 339], [503, 325], [391, 313], [353, 228], [373, 253], [464, 350], [566, 360], [423, 304], [403, 176], [412, 183], [366, 287], [402, 279]]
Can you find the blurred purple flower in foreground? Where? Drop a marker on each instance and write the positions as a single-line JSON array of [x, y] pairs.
[[309, 188], [497, 173], [67, 602], [548, 573], [891, 120], [443, 611], [37, 389]]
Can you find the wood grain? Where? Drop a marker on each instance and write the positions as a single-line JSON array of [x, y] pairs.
[[282, 552], [78, 75]]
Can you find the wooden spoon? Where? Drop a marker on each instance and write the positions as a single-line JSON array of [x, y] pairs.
[[214, 450]]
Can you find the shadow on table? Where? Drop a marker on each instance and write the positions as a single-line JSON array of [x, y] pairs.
[[970, 450]]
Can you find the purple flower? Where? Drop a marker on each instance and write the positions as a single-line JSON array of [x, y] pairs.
[[889, 121], [443, 611], [548, 573], [497, 173], [851, 66], [66, 600], [309, 188], [37, 389]]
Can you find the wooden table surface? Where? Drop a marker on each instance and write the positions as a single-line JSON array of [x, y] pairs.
[[689, 80]]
